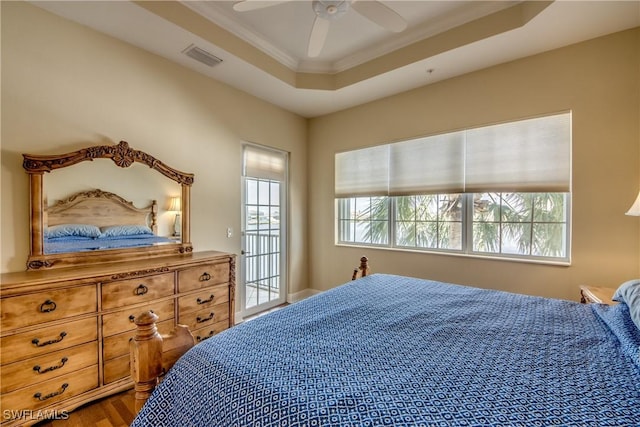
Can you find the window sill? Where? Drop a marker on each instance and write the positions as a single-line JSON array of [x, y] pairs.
[[550, 262]]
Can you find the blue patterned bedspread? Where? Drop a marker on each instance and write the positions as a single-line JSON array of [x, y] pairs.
[[391, 350], [79, 244]]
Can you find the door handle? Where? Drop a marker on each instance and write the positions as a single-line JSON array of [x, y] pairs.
[[244, 252]]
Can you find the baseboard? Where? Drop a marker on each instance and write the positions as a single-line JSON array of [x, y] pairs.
[[238, 318]]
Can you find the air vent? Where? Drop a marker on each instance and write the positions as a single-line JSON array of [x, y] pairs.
[[202, 55]]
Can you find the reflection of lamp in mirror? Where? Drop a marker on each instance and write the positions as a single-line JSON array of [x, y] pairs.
[[634, 210], [174, 206]]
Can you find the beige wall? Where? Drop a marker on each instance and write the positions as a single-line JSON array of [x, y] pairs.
[[598, 80], [65, 86]]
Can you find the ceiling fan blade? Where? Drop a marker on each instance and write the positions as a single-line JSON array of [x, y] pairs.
[[318, 36], [380, 14], [247, 5]]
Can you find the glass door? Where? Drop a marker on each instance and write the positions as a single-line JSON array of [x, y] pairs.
[[263, 261]]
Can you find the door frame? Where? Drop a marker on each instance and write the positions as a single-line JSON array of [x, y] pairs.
[[284, 225]]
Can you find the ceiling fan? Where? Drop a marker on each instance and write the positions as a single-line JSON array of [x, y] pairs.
[[331, 10]]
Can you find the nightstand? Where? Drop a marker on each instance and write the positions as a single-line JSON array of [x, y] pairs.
[[596, 294]]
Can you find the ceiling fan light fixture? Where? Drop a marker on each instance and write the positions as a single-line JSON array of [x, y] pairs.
[[330, 9]]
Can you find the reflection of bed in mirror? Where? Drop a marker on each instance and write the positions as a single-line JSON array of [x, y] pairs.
[[97, 220]]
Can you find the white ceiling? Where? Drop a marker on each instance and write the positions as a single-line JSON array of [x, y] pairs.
[[282, 32]]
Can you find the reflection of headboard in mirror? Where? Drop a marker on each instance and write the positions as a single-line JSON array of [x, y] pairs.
[[106, 208], [100, 208]]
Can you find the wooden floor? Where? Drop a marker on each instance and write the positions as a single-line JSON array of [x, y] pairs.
[[113, 411]]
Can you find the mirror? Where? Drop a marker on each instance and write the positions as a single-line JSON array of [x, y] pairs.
[[135, 192]]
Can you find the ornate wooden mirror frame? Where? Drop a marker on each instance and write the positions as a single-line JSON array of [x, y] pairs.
[[123, 156]]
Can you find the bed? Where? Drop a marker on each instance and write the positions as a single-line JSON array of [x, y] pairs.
[[97, 220], [394, 350]]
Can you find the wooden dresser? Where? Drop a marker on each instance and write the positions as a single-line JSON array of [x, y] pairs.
[[65, 332]]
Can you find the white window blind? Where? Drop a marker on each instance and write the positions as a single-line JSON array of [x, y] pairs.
[[427, 165], [264, 163], [363, 172], [532, 155]]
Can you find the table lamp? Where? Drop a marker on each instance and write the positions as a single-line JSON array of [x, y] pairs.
[[174, 206]]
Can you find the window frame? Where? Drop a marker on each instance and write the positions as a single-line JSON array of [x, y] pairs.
[[467, 234]]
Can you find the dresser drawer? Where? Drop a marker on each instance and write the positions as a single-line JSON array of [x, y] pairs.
[[116, 369], [47, 339], [41, 368], [202, 276], [32, 309], [207, 332], [122, 321], [51, 391], [205, 317], [133, 291], [205, 298], [118, 345]]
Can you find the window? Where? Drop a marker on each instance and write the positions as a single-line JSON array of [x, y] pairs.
[[431, 221], [501, 190], [530, 225], [533, 224], [365, 220]]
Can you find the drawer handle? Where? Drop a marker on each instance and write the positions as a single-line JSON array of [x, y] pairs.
[[36, 341], [51, 368], [141, 290], [199, 338], [205, 277], [42, 398], [206, 319], [200, 301], [132, 318], [47, 306]]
